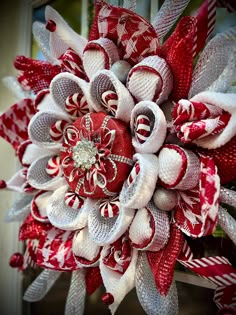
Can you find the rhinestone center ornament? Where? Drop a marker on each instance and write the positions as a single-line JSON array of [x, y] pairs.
[[96, 157], [84, 154]]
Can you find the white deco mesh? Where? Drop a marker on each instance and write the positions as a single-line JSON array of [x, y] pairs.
[[158, 127], [39, 128], [63, 216], [104, 81], [66, 84], [107, 230], [39, 178]]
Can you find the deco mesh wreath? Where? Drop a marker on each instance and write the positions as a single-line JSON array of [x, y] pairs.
[[126, 146]]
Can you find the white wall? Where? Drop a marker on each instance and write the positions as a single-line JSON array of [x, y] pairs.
[[15, 29]]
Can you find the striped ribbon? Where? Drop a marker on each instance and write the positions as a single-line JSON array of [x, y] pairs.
[[218, 270], [206, 17]]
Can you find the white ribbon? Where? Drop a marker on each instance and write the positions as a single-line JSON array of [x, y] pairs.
[[77, 292], [41, 285]]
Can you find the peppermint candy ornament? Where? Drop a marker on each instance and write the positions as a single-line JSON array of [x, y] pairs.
[[110, 101], [73, 200], [53, 167], [142, 128], [76, 105], [56, 130], [109, 207]]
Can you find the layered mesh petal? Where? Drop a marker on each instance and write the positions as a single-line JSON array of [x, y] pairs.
[[63, 216], [39, 178], [106, 230], [148, 126], [138, 189], [40, 126], [121, 103]]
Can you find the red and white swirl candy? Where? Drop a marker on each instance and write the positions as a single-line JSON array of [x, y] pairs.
[[56, 130], [142, 128], [109, 207], [73, 200], [76, 105], [53, 167], [133, 174], [110, 101]]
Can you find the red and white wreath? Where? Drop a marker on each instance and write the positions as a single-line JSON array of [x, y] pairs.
[[125, 147]]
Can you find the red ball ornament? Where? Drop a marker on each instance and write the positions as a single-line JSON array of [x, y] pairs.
[[96, 157], [107, 299], [16, 260], [51, 26], [3, 184]]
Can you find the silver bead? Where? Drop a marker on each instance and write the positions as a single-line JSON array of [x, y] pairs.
[[165, 199], [121, 69]]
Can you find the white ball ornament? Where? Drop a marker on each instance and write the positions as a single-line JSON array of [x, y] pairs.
[[165, 199], [121, 69]]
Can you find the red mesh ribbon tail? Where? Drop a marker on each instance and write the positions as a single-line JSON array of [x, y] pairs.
[[93, 279], [178, 52], [163, 262], [35, 75]]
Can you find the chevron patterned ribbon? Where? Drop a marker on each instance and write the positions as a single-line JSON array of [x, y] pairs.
[[76, 296]]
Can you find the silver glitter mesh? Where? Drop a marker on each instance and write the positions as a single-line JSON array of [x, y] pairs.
[[168, 15], [100, 84], [152, 302], [14, 87], [20, 209], [39, 128], [39, 178], [41, 285], [220, 52], [130, 5], [77, 292], [63, 87], [104, 230], [41, 36], [228, 224], [228, 196], [63, 216]]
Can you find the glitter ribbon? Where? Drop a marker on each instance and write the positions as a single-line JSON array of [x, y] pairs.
[[41, 285], [228, 224], [76, 296], [151, 300]]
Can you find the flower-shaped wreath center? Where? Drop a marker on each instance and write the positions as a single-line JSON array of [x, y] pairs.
[[96, 148]]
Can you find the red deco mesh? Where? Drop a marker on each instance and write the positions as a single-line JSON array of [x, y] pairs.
[[178, 52], [93, 279], [163, 262], [35, 75]]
